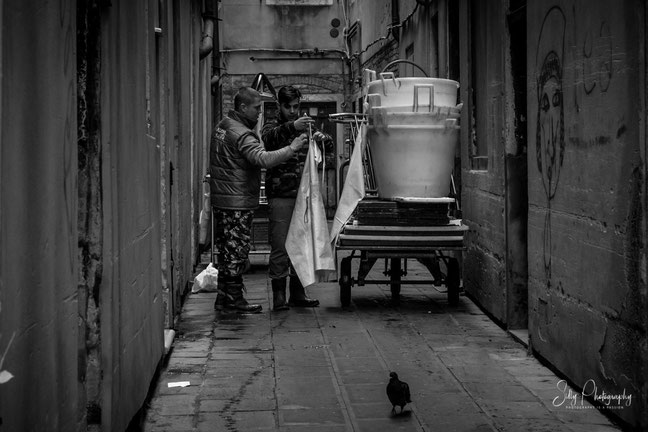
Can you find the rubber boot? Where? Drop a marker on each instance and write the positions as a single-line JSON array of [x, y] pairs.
[[219, 304], [279, 295], [298, 295], [234, 300]]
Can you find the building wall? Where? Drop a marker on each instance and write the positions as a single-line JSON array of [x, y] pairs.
[[587, 292], [370, 45], [130, 293], [257, 37], [38, 211], [585, 168], [185, 128], [97, 106]]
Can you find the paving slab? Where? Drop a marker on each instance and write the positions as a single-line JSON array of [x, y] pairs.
[[331, 416], [326, 368]]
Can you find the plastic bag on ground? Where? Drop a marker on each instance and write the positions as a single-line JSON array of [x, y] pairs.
[[206, 281]]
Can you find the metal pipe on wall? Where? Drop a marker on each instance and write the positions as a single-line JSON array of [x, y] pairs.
[[210, 15]]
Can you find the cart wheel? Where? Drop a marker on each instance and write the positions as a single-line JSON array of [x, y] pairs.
[[345, 282], [452, 281], [395, 276]]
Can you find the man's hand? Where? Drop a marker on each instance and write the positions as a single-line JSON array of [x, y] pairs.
[[321, 136], [298, 142], [301, 124]]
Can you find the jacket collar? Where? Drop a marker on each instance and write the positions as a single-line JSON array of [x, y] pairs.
[[235, 115]]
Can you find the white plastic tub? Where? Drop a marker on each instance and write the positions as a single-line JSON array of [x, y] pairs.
[[385, 116], [413, 160], [413, 92]]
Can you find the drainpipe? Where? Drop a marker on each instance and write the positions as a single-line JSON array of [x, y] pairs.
[[210, 15]]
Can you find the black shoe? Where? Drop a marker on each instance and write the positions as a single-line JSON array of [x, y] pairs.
[[241, 305], [298, 296], [234, 300], [279, 295]]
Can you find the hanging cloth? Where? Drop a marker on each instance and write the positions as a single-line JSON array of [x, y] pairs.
[[308, 243], [354, 186]]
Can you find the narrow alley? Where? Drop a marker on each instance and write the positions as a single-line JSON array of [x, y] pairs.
[[499, 146], [326, 368]]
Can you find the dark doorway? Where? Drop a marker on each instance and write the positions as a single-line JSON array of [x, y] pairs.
[[517, 180]]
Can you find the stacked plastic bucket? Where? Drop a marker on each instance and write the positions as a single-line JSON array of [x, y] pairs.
[[413, 134]]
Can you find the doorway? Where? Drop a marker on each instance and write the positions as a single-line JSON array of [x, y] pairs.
[[516, 180]]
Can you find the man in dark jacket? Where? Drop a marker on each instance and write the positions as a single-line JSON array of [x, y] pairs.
[[236, 159], [281, 185]]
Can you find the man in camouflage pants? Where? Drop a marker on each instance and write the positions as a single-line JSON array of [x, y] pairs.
[[236, 159]]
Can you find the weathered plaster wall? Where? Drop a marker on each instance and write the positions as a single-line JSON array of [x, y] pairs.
[[251, 23], [257, 37], [483, 193], [130, 296], [290, 45], [370, 46], [38, 217], [586, 106], [95, 106]]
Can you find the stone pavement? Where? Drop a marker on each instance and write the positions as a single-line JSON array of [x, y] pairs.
[[325, 369]]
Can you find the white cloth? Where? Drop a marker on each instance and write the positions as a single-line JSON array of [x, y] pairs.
[[308, 243], [354, 186]]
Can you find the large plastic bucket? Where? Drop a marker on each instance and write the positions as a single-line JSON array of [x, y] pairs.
[[386, 116], [413, 161], [413, 91]]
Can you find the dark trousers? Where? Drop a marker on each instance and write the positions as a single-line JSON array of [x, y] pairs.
[[280, 212]]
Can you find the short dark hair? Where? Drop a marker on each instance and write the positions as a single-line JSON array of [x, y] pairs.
[[245, 95], [287, 94]]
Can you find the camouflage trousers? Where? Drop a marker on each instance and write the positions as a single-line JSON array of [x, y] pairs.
[[232, 238]]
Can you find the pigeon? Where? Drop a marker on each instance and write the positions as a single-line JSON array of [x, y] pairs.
[[398, 392]]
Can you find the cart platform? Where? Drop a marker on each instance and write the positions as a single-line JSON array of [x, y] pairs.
[[427, 244]]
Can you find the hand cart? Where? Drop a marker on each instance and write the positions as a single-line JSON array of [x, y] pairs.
[[428, 230]]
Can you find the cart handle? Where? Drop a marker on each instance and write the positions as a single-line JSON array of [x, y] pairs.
[[390, 64]]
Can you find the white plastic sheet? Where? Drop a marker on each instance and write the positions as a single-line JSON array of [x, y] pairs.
[[354, 186], [308, 243]]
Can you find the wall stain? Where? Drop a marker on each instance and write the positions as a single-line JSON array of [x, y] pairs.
[[597, 141]]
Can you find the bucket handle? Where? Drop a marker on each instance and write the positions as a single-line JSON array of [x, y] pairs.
[[384, 75], [369, 75], [390, 64], [430, 87]]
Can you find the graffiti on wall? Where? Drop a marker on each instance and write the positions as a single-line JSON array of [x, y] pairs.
[[550, 133], [597, 59], [592, 75]]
